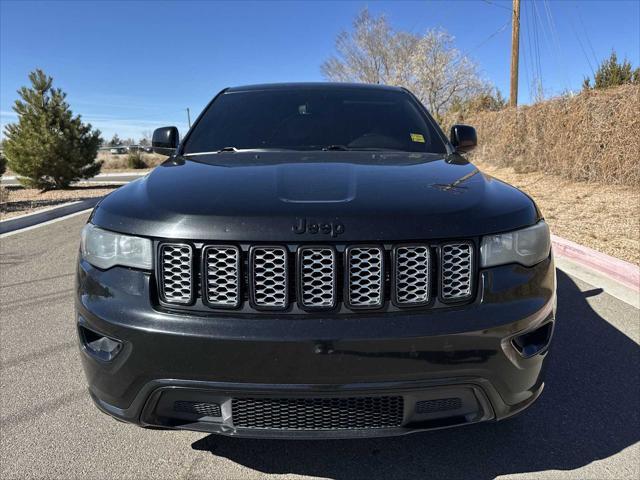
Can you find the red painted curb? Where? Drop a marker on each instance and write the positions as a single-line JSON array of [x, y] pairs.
[[624, 272]]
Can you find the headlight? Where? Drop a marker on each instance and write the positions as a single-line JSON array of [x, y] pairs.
[[526, 247], [105, 249]]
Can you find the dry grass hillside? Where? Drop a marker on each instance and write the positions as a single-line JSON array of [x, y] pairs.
[[592, 137]]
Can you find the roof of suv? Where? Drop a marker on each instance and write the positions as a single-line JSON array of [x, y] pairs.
[[303, 85]]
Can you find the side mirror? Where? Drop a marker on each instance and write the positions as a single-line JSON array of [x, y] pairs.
[[463, 138], [165, 140]]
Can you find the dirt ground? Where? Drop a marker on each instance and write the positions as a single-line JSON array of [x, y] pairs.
[[603, 217], [18, 200]]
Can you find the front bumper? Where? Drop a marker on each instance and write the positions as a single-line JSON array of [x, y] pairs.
[[464, 353]]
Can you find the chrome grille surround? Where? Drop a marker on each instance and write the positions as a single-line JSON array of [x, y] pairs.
[[221, 276], [321, 413], [364, 277], [175, 272], [456, 271], [269, 277], [412, 280], [317, 277]]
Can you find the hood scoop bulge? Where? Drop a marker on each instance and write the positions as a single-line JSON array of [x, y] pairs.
[[315, 183]]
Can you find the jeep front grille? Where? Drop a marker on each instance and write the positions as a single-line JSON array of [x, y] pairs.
[[315, 277], [269, 277], [365, 277], [176, 272], [318, 413], [221, 270], [456, 271], [412, 275]]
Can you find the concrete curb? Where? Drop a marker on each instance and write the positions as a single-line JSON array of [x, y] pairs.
[[623, 272], [29, 220]]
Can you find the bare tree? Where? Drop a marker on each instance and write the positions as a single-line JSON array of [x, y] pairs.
[[442, 74], [372, 53], [145, 140], [429, 65]]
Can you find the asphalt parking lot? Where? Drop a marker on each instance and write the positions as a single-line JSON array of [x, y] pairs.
[[585, 425]]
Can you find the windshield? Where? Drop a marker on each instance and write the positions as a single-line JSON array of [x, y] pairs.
[[314, 119]]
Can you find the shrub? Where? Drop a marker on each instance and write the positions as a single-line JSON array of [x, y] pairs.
[[48, 146], [135, 161]]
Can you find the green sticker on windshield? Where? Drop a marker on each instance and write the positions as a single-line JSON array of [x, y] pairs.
[[417, 137]]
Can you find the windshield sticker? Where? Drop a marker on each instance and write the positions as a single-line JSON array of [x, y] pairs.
[[417, 137]]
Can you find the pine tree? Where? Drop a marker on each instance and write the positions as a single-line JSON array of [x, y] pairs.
[[115, 141], [611, 73], [48, 146]]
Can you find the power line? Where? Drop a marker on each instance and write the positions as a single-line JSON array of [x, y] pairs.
[[483, 42], [489, 2], [499, 30], [527, 56], [557, 51], [586, 34], [536, 41], [584, 52]]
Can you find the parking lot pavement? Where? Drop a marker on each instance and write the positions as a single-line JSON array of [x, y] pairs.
[[585, 425]]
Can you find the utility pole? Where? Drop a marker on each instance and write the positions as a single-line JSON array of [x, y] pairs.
[[189, 117], [515, 52]]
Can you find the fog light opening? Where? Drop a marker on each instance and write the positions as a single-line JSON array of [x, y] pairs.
[[533, 342], [102, 347]]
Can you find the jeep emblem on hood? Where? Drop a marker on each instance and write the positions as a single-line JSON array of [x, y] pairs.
[[302, 225]]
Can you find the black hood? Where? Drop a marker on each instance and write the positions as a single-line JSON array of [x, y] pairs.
[[351, 196]]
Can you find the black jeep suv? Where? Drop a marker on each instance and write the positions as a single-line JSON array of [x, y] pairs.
[[315, 261]]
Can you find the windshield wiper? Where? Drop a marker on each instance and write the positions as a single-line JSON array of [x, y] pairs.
[[335, 147]]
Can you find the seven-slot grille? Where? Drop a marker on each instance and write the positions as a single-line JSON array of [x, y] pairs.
[[318, 413], [317, 277], [176, 273], [363, 277], [221, 270], [413, 275], [365, 273], [269, 277], [457, 271]]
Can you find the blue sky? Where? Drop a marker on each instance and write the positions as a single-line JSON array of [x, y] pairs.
[[129, 67]]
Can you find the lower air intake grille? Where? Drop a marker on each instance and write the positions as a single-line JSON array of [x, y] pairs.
[[439, 405], [318, 413], [457, 271], [198, 408], [176, 272]]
